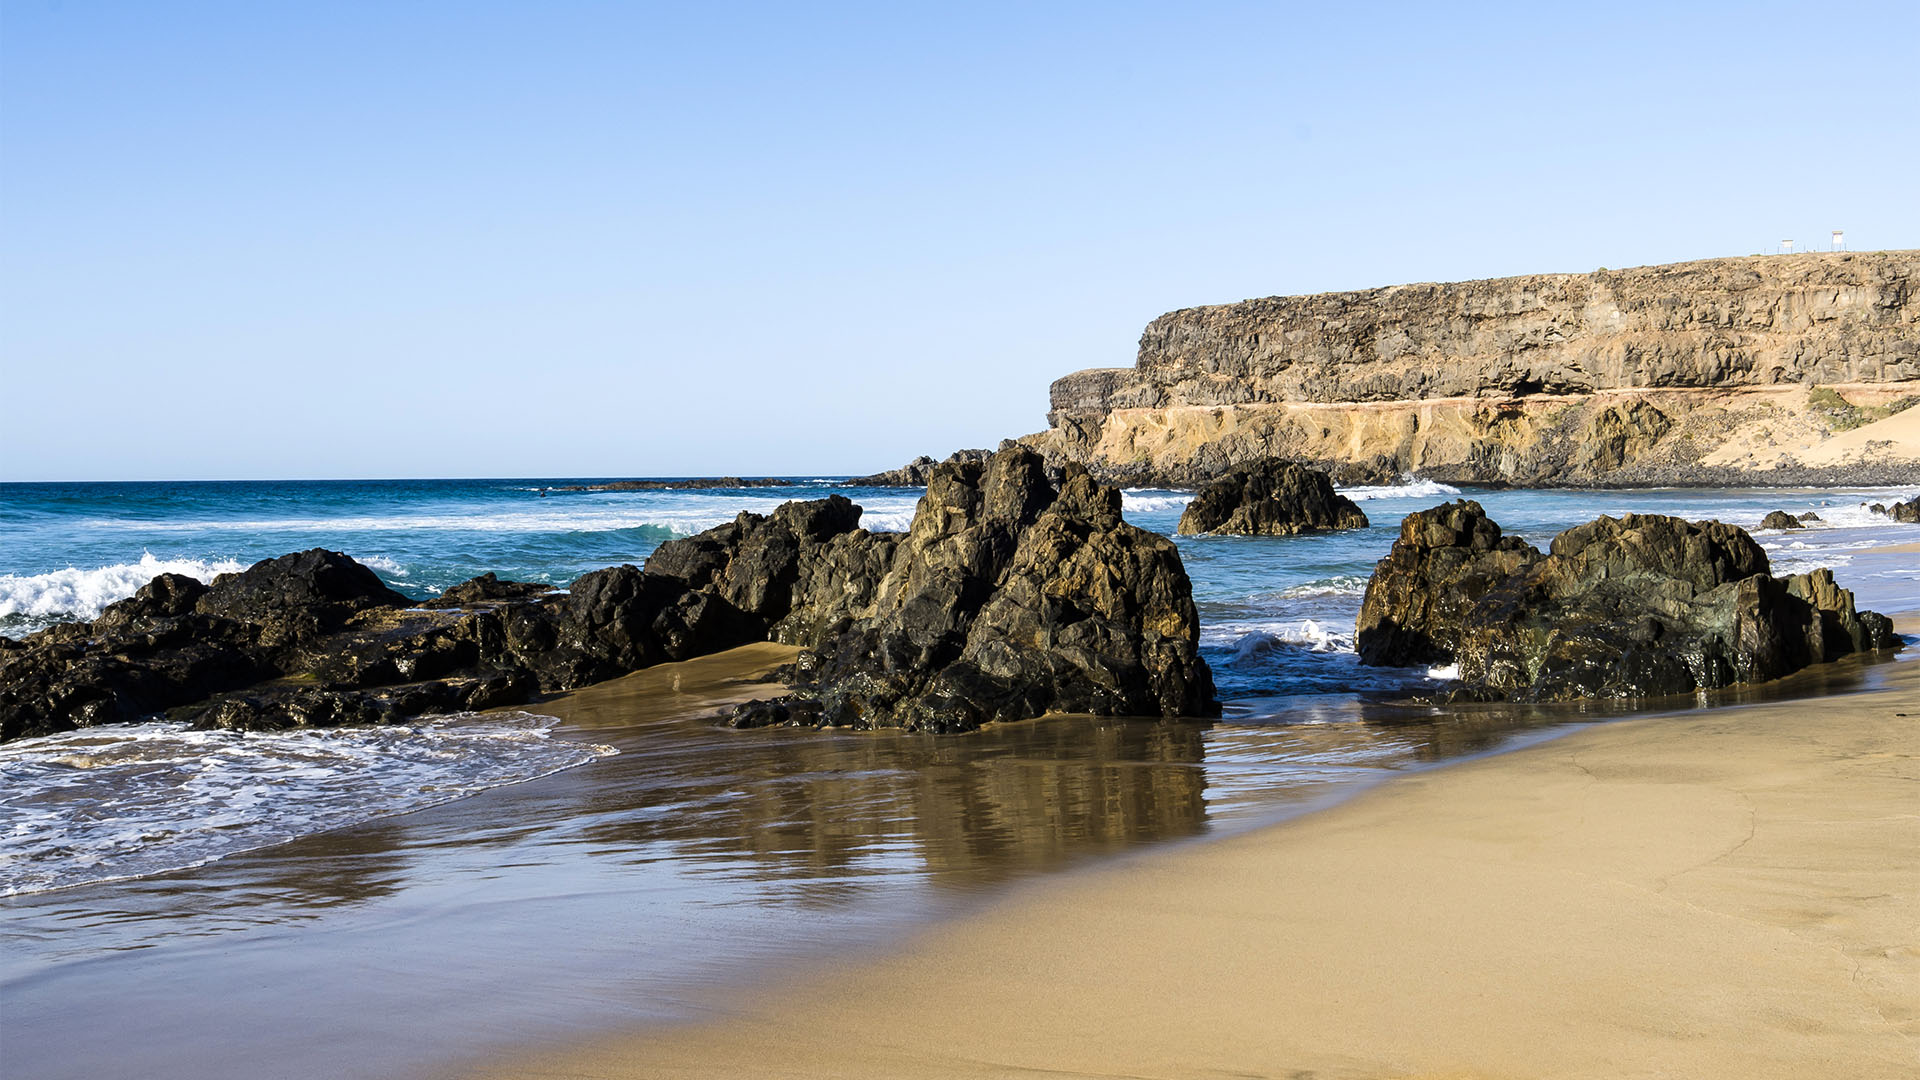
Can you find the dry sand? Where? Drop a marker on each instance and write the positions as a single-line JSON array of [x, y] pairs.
[[1893, 439], [1733, 893]]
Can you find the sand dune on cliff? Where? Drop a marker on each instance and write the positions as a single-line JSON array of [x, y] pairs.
[[1730, 893], [1896, 438]]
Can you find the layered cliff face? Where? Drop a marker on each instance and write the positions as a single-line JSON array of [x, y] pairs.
[[1662, 374]]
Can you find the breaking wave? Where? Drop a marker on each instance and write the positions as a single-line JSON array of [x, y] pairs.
[[38, 600], [1142, 501], [1310, 634], [132, 800], [1408, 488], [1338, 585]]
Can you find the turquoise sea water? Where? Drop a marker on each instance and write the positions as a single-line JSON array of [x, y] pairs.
[[417, 894]]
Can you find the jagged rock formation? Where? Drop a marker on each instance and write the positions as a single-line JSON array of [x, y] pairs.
[[1780, 519], [1417, 600], [1614, 377], [1270, 498], [1640, 606], [1008, 599]]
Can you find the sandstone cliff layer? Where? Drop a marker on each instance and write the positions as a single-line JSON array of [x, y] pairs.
[[1693, 372]]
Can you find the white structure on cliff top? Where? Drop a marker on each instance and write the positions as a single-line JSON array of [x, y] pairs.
[[1786, 247], [1839, 240]]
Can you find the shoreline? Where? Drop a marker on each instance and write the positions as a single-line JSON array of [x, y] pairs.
[[1719, 892]]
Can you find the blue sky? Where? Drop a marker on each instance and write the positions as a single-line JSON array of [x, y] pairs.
[[472, 239]]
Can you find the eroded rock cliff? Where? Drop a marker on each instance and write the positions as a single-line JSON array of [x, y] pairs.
[[1692, 372]]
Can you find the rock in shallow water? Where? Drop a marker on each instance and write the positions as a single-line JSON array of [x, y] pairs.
[[1009, 598], [1640, 606], [1908, 512], [1270, 498]]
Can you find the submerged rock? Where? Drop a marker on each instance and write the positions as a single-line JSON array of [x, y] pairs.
[[1640, 606], [1271, 498], [1780, 519]]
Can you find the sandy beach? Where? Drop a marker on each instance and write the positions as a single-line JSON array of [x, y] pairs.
[[1727, 893]]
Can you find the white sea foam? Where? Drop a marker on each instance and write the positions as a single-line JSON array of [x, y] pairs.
[[1803, 558], [383, 564], [671, 513], [83, 594], [886, 520], [1445, 674], [127, 801], [1250, 640], [1144, 501], [1852, 515], [1340, 585], [1409, 487]]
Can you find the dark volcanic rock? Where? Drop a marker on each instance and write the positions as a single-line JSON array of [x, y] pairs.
[[297, 597], [487, 588], [1640, 606], [917, 472], [1808, 516], [1908, 511], [1008, 599], [1270, 498], [1780, 519], [1445, 560]]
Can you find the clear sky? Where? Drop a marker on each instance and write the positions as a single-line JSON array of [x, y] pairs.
[[338, 239]]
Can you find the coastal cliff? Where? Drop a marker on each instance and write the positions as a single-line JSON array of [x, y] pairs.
[[1762, 369]]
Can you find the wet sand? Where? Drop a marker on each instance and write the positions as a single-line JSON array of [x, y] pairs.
[[1727, 893], [635, 889]]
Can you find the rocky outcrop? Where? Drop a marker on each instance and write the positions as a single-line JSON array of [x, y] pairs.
[[1445, 560], [1270, 498], [1640, 606], [1780, 519], [1613, 377], [1008, 599], [1908, 512]]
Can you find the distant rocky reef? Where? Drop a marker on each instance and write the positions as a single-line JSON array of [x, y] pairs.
[[1764, 369], [917, 472], [1011, 597], [1642, 606], [696, 484]]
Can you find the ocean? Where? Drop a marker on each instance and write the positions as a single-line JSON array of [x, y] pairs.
[[514, 876]]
